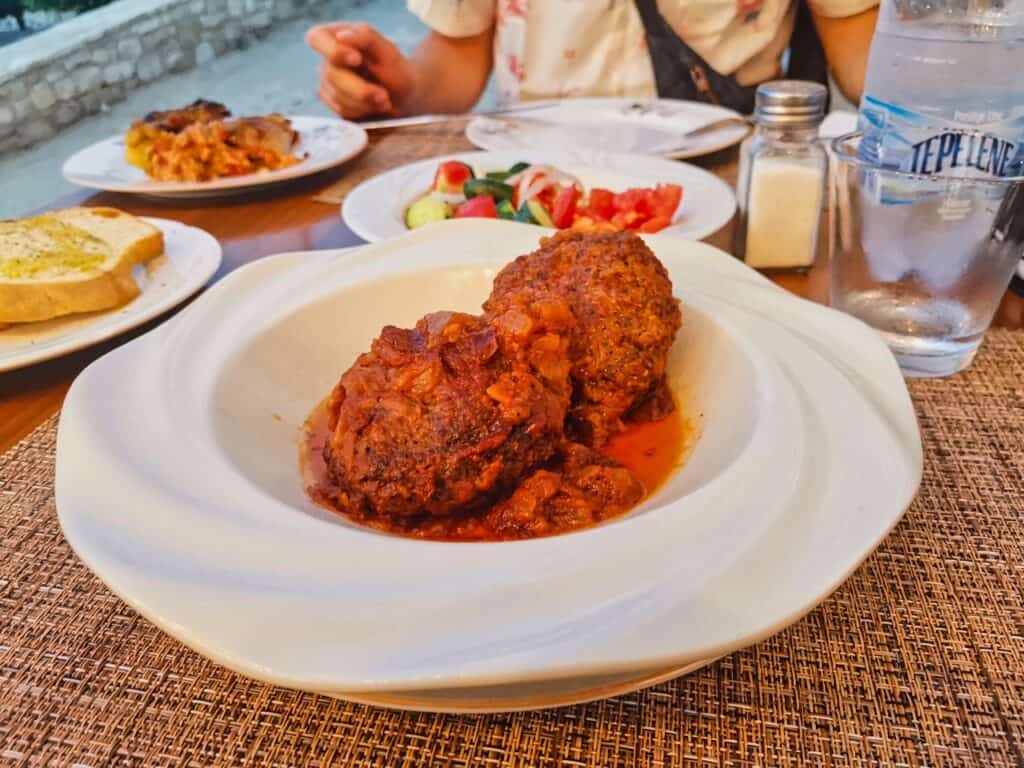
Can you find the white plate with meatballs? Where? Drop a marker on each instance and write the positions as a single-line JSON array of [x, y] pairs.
[[526, 496]]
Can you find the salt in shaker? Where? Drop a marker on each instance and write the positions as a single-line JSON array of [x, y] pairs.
[[782, 177]]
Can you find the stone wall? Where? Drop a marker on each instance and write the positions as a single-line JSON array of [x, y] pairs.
[[56, 77]]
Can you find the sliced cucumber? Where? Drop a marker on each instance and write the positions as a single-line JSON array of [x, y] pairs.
[[534, 212], [498, 175], [506, 210], [520, 166], [495, 189], [426, 210]]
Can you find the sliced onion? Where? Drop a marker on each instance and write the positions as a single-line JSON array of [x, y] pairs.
[[565, 179], [515, 177], [555, 173], [528, 185], [535, 187]]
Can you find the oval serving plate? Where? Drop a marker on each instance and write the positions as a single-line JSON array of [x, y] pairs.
[[216, 543], [375, 210]]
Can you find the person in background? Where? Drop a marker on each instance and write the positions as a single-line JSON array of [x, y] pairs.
[[709, 50]]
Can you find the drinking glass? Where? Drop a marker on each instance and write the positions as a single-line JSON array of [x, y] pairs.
[[922, 259]]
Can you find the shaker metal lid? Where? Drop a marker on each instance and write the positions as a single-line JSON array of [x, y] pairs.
[[789, 102]]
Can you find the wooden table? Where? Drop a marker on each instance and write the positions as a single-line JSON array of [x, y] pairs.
[[290, 220]]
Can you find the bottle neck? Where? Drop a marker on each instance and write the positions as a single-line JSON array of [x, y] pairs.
[[789, 134]]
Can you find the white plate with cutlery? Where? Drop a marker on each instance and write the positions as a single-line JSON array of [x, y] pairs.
[[642, 126]]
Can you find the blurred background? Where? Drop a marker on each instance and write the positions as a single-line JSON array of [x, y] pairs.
[[73, 72]]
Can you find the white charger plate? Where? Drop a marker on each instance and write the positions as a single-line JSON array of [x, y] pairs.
[[635, 126], [375, 210], [326, 142], [191, 256], [216, 543]]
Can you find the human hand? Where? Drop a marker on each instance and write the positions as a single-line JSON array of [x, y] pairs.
[[363, 72]]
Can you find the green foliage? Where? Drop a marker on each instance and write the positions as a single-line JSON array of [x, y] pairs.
[[64, 5]]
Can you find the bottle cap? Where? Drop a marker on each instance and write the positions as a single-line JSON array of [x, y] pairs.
[[790, 102]]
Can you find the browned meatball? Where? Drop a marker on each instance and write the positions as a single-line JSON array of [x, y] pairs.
[[443, 417], [577, 490], [626, 321]]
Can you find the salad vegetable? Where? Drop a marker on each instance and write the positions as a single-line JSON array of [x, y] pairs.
[[495, 189], [506, 210], [451, 176], [426, 210], [481, 206], [543, 195], [534, 212]]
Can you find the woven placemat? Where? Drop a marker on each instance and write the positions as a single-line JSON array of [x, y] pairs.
[[918, 660], [392, 148]]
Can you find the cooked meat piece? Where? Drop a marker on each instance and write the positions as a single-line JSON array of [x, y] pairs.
[[272, 132], [176, 120], [575, 489], [581, 489], [627, 319], [444, 417]]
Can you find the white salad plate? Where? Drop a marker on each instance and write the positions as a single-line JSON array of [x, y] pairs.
[[191, 257], [324, 142], [633, 126], [808, 454], [375, 210]]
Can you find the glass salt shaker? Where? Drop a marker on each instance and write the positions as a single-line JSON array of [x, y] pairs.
[[782, 177]]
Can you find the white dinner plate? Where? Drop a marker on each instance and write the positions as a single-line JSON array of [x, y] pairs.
[[375, 210], [324, 141], [634, 126], [190, 258], [213, 539], [518, 697]]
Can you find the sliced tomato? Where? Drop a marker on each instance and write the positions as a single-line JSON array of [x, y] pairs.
[[633, 200], [564, 207], [481, 206], [601, 203], [655, 224], [665, 199], [450, 177]]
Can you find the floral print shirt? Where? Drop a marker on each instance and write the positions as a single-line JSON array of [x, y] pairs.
[[565, 48]]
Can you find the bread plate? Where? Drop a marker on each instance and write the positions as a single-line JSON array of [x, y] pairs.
[[326, 142], [215, 541], [191, 256]]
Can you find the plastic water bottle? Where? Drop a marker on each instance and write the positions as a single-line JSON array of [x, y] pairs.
[[945, 88]]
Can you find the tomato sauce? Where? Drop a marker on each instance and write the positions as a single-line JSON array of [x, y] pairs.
[[651, 450]]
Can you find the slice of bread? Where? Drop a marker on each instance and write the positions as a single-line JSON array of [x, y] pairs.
[[73, 260]]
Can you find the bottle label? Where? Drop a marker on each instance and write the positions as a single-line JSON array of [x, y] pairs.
[[976, 144], [944, 152]]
